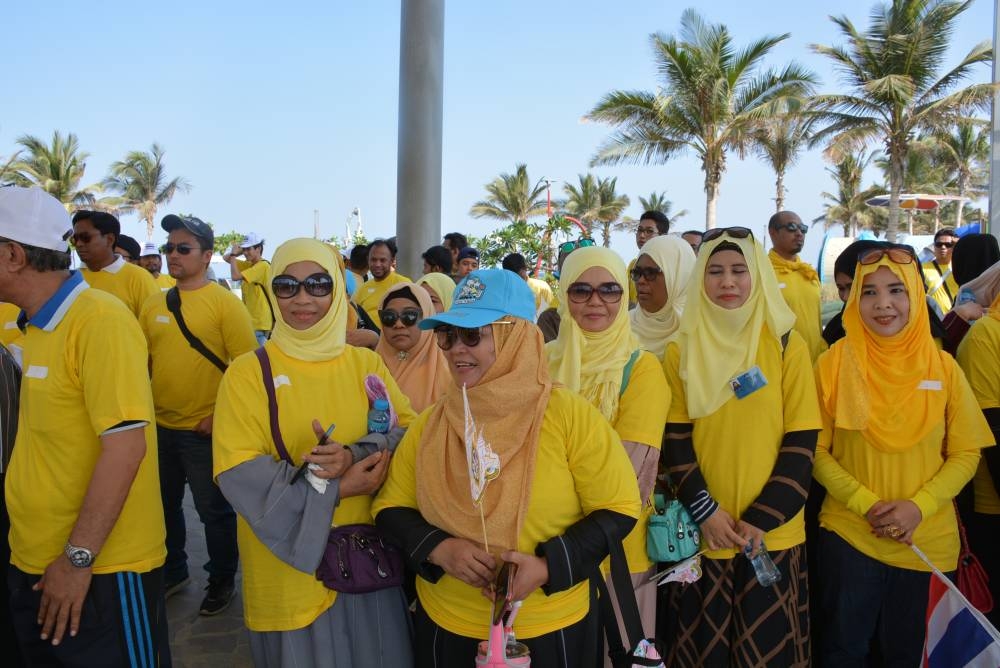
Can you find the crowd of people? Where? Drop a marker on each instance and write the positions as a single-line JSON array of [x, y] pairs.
[[391, 461]]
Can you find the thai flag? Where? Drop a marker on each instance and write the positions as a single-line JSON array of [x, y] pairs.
[[957, 633]]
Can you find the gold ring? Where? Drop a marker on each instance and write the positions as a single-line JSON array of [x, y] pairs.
[[893, 531]]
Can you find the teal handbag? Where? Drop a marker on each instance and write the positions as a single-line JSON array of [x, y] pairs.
[[672, 535]]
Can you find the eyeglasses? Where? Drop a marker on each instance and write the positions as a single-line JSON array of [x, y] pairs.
[[645, 231], [570, 246], [580, 293], [648, 273], [446, 335], [183, 249], [316, 285], [733, 232], [409, 317], [897, 255], [792, 227], [944, 244], [83, 238]]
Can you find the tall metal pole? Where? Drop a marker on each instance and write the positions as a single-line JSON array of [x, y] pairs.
[[421, 102], [994, 221]]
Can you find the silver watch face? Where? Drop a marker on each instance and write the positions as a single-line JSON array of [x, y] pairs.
[[80, 557]]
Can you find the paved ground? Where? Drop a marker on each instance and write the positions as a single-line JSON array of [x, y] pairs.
[[204, 642]]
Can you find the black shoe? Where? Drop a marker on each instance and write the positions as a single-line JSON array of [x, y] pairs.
[[218, 598], [171, 587]]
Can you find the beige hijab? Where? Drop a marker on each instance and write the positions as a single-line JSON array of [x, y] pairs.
[[676, 260]]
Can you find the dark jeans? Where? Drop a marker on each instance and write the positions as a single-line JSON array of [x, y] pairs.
[[869, 607], [187, 457]]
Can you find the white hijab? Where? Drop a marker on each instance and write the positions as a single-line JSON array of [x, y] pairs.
[[676, 260]]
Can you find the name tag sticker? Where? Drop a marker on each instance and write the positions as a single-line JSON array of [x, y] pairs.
[[36, 372], [163, 318], [929, 385], [10, 324], [748, 382], [781, 285], [281, 380]]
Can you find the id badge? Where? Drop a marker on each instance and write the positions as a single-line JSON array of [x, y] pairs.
[[748, 382]]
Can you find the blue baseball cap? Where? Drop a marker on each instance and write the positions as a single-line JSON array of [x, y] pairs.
[[485, 296]]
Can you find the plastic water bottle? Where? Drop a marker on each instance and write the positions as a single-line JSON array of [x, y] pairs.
[[378, 417], [767, 573], [965, 295]]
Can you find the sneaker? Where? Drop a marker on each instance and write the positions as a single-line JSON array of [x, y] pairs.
[[171, 587], [218, 598]]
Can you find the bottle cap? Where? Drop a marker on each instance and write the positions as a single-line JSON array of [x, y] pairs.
[[381, 405]]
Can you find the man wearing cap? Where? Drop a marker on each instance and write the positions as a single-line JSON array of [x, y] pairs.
[[253, 272], [381, 264], [87, 534], [149, 259], [468, 261], [798, 281], [185, 382], [95, 234]]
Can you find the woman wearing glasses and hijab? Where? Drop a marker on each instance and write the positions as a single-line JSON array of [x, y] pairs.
[[660, 274], [901, 436], [741, 432], [284, 517], [560, 487], [598, 356], [409, 352]]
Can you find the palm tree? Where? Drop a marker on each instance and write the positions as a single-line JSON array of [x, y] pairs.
[[141, 182], [712, 97], [847, 206], [892, 72], [964, 150], [57, 168], [657, 201], [779, 141], [511, 197], [595, 201]]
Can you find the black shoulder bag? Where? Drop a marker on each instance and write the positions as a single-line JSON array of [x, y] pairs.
[[174, 306]]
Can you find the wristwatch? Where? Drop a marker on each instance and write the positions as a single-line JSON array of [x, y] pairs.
[[80, 557]]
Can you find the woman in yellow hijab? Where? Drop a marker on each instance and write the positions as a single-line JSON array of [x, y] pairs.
[[741, 432], [440, 287], [553, 472], [283, 516], [660, 274], [597, 355], [902, 434]]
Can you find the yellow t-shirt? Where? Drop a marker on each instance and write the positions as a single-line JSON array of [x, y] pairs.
[[8, 323], [184, 381], [803, 297], [940, 295], [165, 281], [82, 378], [856, 475], [369, 295], [737, 445], [277, 597], [580, 467], [543, 294], [633, 295], [979, 357], [130, 283], [642, 414], [254, 291]]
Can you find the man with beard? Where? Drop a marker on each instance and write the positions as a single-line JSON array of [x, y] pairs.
[[381, 265], [798, 281], [149, 259]]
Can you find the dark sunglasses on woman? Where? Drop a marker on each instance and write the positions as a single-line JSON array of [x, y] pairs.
[[648, 273], [570, 246], [732, 232], [316, 285], [580, 293], [409, 317], [897, 255], [470, 337]]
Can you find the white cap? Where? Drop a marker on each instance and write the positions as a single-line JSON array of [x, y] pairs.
[[251, 239], [149, 248], [33, 217]]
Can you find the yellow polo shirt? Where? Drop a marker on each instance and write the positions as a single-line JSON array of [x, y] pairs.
[[543, 294], [184, 381], [979, 357], [8, 323], [165, 281], [803, 297], [130, 283], [369, 295], [255, 296], [84, 373], [277, 597], [940, 294]]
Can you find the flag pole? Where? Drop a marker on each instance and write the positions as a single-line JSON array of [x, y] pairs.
[[980, 617]]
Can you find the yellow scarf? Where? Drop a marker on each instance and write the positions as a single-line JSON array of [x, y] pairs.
[[326, 339], [783, 266], [422, 374], [675, 259], [871, 382], [592, 363], [508, 403], [718, 344], [441, 284]]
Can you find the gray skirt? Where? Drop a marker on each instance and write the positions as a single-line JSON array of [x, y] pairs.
[[358, 631]]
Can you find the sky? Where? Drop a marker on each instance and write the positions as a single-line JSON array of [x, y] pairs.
[[275, 110]]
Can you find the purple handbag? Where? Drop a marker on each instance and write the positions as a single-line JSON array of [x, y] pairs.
[[356, 560]]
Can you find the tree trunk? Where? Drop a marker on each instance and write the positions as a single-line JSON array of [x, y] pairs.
[[711, 200], [606, 233], [895, 188], [779, 191], [960, 204]]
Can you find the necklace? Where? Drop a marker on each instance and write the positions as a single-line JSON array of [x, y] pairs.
[[402, 355]]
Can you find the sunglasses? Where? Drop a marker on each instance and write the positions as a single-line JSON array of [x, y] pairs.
[[648, 273], [83, 238], [409, 317], [897, 255], [446, 335], [183, 249], [944, 244], [792, 227], [316, 285], [580, 293], [570, 246], [732, 232]]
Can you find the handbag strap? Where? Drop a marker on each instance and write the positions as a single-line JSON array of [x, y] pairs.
[[272, 404], [174, 306], [965, 551]]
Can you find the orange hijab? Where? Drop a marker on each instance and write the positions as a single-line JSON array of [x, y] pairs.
[[871, 383], [422, 372], [508, 404]]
